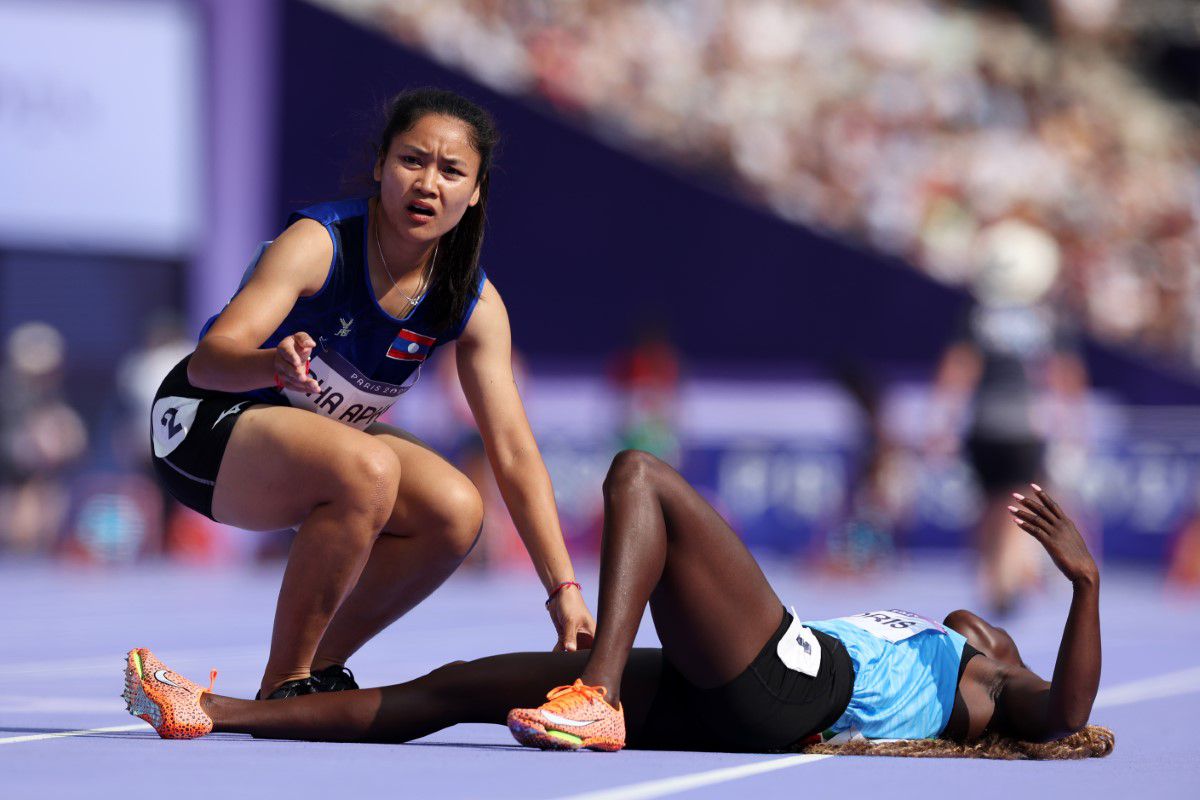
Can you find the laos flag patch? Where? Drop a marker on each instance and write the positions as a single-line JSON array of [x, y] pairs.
[[409, 346]]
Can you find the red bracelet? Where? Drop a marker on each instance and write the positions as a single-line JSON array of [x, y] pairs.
[[554, 592]]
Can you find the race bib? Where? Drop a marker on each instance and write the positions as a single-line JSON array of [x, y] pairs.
[[799, 649], [347, 395], [894, 625], [171, 419]]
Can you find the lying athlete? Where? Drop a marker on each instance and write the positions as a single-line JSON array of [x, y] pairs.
[[736, 671]]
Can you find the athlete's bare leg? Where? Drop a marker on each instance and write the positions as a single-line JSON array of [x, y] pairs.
[[711, 604], [286, 467], [475, 691], [664, 544], [433, 526]]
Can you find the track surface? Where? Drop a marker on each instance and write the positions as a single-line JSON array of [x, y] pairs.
[[64, 632]]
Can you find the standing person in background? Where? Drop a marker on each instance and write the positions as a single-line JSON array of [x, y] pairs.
[[1012, 350], [646, 376], [273, 421], [41, 437], [499, 541]]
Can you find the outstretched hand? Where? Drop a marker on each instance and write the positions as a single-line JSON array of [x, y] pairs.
[[1041, 517], [572, 620]]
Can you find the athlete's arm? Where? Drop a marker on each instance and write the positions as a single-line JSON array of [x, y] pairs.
[[229, 357], [485, 370], [1029, 707]]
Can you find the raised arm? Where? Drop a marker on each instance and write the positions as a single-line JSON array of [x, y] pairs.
[[1029, 707], [485, 370]]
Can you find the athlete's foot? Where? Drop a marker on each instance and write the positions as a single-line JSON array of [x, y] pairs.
[[164, 698], [573, 717]]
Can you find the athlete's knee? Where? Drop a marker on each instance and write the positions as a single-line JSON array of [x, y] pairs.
[[632, 469], [460, 509], [366, 479]]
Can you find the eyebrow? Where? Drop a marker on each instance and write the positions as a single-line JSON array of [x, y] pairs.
[[423, 152]]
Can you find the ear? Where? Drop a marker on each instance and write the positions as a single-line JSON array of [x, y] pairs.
[[378, 173], [474, 195]]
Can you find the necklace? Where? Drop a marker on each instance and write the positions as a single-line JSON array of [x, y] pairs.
[[422, 286]]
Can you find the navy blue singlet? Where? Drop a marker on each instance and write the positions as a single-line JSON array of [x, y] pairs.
[[365, 357]]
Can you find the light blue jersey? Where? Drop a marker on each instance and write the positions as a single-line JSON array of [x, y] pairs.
[[906, 673]]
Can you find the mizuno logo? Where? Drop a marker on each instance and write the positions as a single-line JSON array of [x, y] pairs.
[[563, 721], [231, 410], [161, 677]]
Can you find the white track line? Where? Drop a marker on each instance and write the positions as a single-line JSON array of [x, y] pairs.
[[1173, 683], [141, 726], [1185, 681], [682, 783]]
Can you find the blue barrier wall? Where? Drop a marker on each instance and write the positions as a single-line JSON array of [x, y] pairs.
[[585, 241]]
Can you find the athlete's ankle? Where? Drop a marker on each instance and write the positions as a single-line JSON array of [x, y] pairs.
[[319, 664], [272, 682], [612, 689]]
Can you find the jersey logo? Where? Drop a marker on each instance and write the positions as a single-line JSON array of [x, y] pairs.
[[345, 329], [409, 346], [231, 410]]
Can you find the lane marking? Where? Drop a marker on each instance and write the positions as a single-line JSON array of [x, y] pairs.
[[1185, 681], [64, 734], [682, 783], [1170, 684]]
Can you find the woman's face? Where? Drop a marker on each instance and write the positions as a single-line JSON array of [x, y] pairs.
[[428, 178]]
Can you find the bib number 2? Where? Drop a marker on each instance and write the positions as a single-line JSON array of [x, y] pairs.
[[171, 419]]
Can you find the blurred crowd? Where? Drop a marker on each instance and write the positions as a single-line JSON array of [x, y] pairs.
[[934, 133]]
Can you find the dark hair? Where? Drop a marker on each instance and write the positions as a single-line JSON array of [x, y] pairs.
[[1094, 741], [456, 271]]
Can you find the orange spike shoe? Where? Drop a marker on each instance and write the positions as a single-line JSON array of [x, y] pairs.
[[573, 717], [164, 698]]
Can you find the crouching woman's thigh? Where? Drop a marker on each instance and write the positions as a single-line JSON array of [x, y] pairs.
[[282, 462]]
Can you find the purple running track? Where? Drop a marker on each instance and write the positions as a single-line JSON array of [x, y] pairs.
[[66, 630]]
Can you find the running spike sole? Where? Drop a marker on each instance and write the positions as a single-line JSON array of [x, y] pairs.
[[136, 701], [558, 740]]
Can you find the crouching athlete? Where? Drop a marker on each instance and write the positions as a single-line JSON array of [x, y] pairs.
[[736, 670]]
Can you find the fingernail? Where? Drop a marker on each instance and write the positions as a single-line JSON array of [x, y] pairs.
[[1012, 509], [1036, 488], [1018, 496]]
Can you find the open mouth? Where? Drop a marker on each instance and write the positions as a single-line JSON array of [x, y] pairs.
[[416, 208]]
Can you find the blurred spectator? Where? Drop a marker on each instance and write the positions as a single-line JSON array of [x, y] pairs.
[[907, 123], [646, 380], [1013, 349], [863, 537], [499, 542], [180, 532], [41, 437]]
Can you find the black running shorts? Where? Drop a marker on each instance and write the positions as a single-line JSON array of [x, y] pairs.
[[189, 429], [769, 707]]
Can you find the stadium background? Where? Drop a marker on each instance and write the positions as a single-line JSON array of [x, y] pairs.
[[721, 233]]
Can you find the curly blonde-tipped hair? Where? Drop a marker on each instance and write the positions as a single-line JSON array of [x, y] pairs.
[[1094, 741]]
